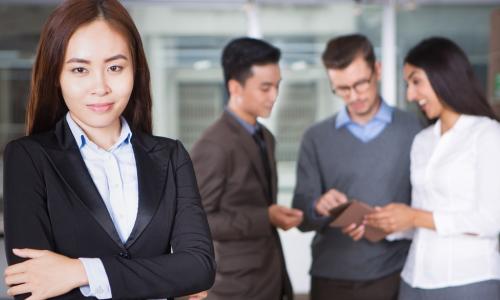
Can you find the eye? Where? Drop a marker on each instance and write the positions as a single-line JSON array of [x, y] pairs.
[[362, 86], [115, 68], [79, 70]]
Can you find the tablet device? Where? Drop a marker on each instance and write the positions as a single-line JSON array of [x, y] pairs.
[[354, 212]]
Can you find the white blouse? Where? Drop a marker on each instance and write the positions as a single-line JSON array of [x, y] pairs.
[[456, 176]]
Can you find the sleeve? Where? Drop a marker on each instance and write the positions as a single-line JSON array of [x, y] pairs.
[[98, 279], [26, 219], [401, 235], [190, 268], [212, 165], [308, 188], [484, 219]]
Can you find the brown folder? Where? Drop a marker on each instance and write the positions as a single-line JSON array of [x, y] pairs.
[[354, 212]]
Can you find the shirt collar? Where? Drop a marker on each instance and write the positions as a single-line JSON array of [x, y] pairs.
[[248, 127], [82, 139], [463, 121], [383, 115]]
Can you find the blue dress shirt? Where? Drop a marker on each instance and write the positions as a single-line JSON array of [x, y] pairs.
[[114, 173], [248, 127], [370, 130]]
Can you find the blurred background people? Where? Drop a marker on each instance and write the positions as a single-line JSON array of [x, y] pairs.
[[454, 215], [235, 166], [361, 152]]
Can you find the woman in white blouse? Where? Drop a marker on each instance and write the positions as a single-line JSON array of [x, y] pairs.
[[455, 215]]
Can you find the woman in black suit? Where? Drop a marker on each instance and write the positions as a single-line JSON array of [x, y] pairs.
[[95, 206]]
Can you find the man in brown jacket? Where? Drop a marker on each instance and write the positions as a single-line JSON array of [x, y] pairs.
[[236, 171]]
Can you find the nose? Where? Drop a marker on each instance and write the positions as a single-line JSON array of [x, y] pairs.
[[274, 94], [410, 94], [353, 95], [101, 87]]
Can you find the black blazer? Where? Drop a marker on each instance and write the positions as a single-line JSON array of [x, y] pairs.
[[52, 203]]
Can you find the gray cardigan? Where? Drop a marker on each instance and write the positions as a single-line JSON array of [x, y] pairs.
[[376, 172]]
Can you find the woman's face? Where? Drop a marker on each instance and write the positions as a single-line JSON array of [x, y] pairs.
[[97, 76], [419, 89]]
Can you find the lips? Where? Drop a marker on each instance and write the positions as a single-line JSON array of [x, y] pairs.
[[357, 105], [100, 107], [424, 106], [422, 102]]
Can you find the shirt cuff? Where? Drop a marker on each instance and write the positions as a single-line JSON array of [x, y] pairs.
[[400, 235], [98, 279]]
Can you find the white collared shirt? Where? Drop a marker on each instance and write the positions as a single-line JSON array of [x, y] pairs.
[[456, 177], [114, 173]]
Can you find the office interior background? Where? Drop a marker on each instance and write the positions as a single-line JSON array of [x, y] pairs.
[[184, 39]]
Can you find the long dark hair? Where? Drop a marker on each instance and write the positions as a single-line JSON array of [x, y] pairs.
[[46, 104], [451, 76]]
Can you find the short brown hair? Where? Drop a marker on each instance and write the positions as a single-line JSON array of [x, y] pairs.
[[46, 104], [340, 52]]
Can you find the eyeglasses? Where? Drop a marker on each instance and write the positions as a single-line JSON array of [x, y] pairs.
[[360, 87]]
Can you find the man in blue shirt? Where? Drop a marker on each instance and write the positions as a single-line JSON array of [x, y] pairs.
[[360, 153]]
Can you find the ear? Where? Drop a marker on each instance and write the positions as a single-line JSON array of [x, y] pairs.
[[234, 88], [378, 70]]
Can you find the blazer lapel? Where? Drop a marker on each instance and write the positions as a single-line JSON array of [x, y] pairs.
[[69, 163], [250, 147], [151, 178]]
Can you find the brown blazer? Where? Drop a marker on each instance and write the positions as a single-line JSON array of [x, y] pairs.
[[234, 192]]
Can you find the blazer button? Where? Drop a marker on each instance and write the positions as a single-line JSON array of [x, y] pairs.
[[125, 254]]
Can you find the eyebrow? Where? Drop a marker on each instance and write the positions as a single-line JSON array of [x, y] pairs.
[[269, 82], [84, 61], [411, 75], [355, 83]]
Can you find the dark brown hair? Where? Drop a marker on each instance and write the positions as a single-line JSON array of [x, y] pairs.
[[451, 76], [340, 52], [46, 104]]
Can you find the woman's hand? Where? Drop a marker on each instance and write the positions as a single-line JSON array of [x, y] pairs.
[[45, 274], [392, 217], [198, 296]]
